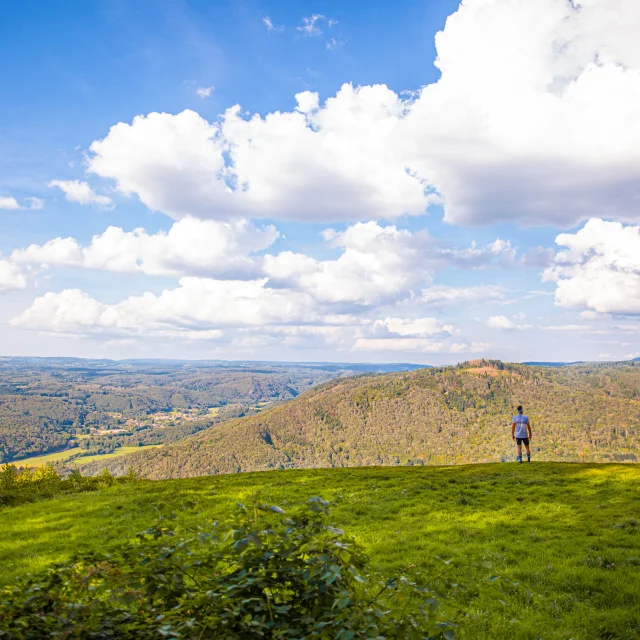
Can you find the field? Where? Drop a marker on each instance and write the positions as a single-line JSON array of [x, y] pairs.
[[60, 456], [568, 533]]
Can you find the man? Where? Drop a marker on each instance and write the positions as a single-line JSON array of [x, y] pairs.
[[521, 433]]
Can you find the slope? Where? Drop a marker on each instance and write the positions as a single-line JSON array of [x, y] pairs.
[[568, 533], [432, 416]]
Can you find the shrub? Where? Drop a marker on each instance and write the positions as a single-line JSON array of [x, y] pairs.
[[29, 485], [264, 575]]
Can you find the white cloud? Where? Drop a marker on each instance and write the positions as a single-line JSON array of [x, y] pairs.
[[506, 324], [310, 24], [422, 335], [441, 295], [600, 270], [11, 278], [419, 327], [191, 246], [592, 315], [533, 117], [34, 203], [205, 92], [338, 161], [269, 24], [533, 120], [378, 264], [81, 192], [9, 202], [198, 304], [501, 322], [417, 345]]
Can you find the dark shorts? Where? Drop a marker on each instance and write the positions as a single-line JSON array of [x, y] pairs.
[[524, 441]]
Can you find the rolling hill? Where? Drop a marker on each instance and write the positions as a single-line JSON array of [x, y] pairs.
[[449, 415], [45, 403]]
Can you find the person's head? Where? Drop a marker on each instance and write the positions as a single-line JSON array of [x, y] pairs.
[[519, 408]]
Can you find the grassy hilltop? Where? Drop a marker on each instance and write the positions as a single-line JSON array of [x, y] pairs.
[[451, 415], [569, 534]]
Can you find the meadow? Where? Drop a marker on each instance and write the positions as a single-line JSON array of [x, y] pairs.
[[567, 534], [61, 456]]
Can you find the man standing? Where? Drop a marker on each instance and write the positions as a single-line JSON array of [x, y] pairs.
[[521, 433]]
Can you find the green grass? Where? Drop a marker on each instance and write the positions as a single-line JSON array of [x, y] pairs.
[[121, 451], [569, 532], [39, 461]]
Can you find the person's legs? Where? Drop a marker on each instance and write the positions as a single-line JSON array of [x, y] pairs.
[[528, 452], [519, 447]]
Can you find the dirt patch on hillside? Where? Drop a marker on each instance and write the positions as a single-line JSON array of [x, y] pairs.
[[490, 370]]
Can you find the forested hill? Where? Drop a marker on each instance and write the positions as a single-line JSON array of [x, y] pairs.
[[449, 415], [46, 404]]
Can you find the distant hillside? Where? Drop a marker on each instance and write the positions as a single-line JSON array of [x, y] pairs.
[[45, 403], [432, 416]]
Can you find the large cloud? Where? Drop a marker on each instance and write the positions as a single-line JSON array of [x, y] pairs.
[[191, 246], [534, 119], [337, 162], [197, 305], [378, 264], [600, 270]]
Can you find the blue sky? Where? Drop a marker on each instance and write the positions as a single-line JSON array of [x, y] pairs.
[[444, 187]]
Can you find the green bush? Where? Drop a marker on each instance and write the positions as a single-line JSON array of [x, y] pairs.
[[29, 485], [265, 575]]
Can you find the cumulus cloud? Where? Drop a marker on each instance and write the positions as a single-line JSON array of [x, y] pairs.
[[81, 192], [600, 268], [337, 161], [191, 246], [198, 304], [422, 335], [382, 265], [11, 278], [378, 264], [533, 119], [9, 202]]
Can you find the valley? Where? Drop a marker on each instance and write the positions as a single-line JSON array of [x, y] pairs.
[[508, 548], [435, 416], [48, 405]]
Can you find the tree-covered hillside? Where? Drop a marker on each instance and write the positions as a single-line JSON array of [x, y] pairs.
[[46, 402], [449, 415]]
